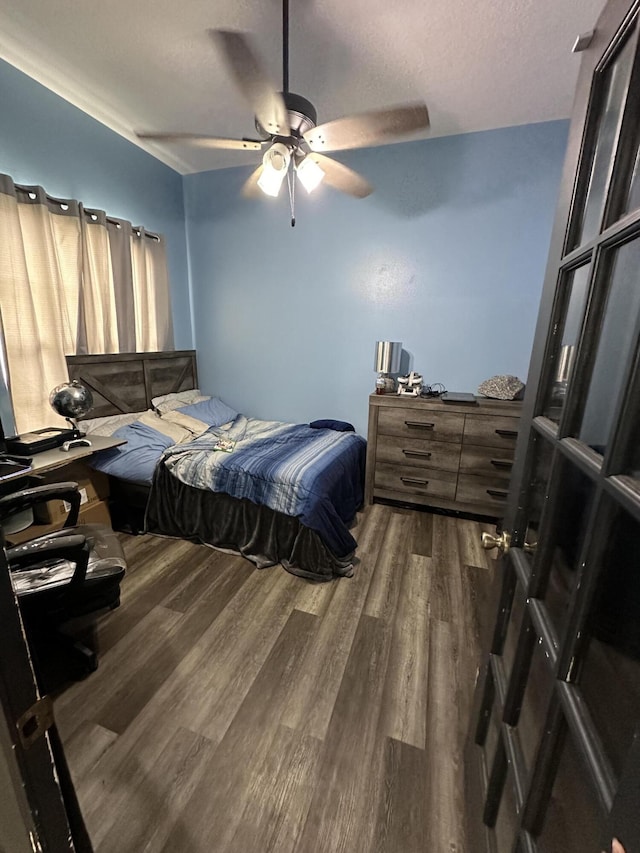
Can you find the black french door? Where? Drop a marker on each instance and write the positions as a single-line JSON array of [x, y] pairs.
[[554, 751]]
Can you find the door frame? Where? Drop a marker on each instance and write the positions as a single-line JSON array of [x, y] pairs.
[[44, 801]]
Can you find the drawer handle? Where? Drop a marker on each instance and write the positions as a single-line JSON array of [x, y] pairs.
[[497, 493], [425, 454], [414, 481], [507, 433], [419, 424], [502, 463]]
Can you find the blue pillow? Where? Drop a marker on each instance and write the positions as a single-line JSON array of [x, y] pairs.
[[213, 412], [328, 423]]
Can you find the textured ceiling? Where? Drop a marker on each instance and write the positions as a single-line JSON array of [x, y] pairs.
[[150, 65]]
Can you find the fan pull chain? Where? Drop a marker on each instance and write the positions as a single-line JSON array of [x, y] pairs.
[[292, 195]]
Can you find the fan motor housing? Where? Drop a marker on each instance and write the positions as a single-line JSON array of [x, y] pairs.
[[302, 115]]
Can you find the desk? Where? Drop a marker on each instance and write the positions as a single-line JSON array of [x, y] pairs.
[[49, 460]]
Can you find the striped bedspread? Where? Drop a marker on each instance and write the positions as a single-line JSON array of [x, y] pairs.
[[314, 474]]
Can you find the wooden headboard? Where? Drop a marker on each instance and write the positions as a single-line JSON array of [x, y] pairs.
[[126, 382]]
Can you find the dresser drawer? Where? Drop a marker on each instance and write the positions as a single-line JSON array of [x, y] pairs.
[[415, 481], [480, 489], [491, 430], [493, 461], [415, 423], [418, 452]]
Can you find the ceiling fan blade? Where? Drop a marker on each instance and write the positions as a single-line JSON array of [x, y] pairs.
[[250, 188], [367, 128], [200, 140], [342, 177], [266, 102]]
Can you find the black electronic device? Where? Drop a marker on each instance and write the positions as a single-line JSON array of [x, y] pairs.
[[459, 397], [39, 440]]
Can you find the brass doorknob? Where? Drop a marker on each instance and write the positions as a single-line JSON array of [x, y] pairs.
[[502, 542]]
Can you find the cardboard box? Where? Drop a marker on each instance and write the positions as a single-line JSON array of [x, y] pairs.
[[96, 512], [93, 486]]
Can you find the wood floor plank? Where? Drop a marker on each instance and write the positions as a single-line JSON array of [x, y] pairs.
[[165, 569], [393, 557], [404, 712], [444, 560], [470, 544], [153, 808], [279, 796], [445, 789], [85, 747], [339, 815], [312, 700], [402, 818], [169, 650], [422, 534], [213, 813], [314, 597], [121, 769], [84, 699], [212, 679]]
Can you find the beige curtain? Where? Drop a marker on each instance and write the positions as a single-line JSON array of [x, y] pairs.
[[153, 328], [39, 259], [72, 281], [99, 329]]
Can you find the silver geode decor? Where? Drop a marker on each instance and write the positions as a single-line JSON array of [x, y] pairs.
[[502, 388]]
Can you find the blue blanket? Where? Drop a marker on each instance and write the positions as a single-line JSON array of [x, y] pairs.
[[314, 474]]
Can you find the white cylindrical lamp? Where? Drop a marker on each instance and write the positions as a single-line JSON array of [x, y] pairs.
[[387, 360]]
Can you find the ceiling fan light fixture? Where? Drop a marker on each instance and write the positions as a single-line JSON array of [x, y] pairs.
[[275, 166], [310, 174]]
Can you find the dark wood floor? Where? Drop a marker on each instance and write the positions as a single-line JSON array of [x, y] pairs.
[[245, 710]]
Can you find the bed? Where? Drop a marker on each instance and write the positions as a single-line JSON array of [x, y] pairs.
[[275, 492]]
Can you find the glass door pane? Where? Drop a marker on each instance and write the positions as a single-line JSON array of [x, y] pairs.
[[576, 283], [518, 608], [613, 82], [508, 821], [574, 510], [535, 704], [617, 339], [610, 677], [633, 193], [573, 821]]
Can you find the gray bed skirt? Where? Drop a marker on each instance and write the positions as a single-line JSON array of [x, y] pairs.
[[260, 534]]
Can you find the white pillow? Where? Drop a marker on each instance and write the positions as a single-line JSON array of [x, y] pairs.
[[109, 424], [169, 402], [172, 405]]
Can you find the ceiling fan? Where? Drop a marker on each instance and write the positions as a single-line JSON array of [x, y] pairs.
[[292, 141]]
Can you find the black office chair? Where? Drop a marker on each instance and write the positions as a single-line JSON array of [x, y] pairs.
[[61, 575]]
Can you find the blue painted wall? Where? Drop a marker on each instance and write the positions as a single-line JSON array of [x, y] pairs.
[[447, 256], [45, 140]]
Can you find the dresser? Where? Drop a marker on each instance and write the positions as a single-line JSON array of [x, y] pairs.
[[451, 456]]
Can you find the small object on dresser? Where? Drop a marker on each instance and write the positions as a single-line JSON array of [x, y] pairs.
[[458, 397], [411, 385], [502, 387]]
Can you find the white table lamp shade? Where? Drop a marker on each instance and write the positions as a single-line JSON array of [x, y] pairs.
[[387, 359]]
